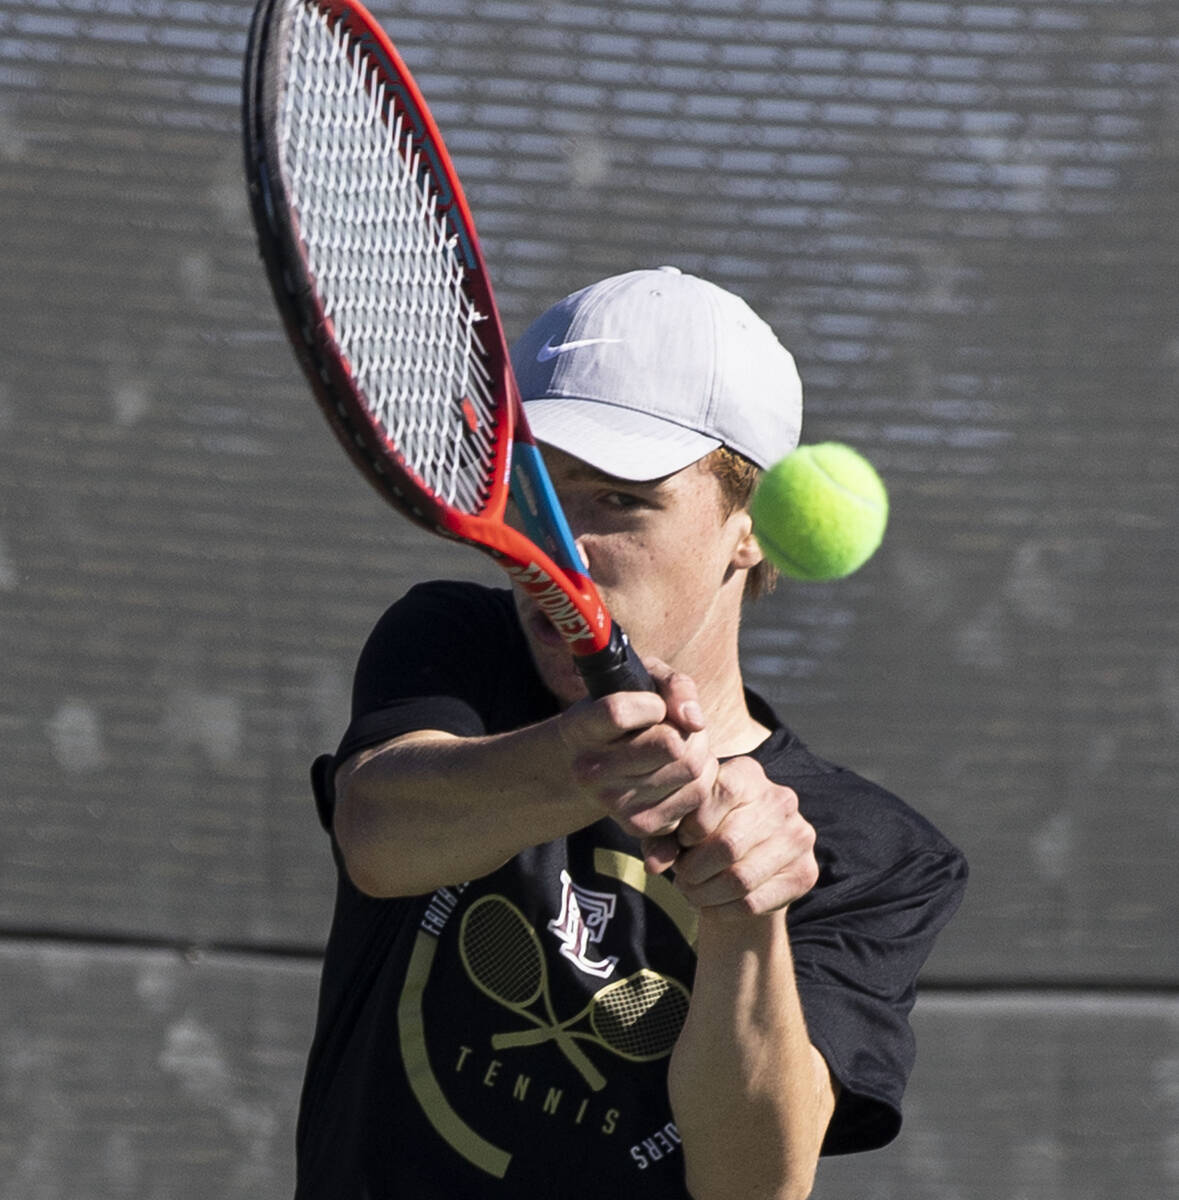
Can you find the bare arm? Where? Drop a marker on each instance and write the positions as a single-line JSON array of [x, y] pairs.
[[752, 1097], [429, 808]]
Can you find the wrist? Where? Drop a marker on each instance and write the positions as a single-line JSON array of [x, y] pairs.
[[724, 931], [555, 757]]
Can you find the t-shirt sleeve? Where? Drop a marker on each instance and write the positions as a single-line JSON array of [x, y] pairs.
[[440, 658], [859, 941]]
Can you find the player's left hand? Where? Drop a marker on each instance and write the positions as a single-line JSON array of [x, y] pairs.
[[746, 851]]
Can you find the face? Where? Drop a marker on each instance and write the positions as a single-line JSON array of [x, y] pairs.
[[663, 556]]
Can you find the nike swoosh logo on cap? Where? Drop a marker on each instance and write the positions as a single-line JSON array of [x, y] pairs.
[[548, 351]]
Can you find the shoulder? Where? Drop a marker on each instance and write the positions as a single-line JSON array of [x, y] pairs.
[[441, 623], [862, 827], [874, 825], [457, 645], [450, 605]]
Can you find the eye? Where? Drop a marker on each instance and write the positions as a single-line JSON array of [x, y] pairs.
[[622, 501]]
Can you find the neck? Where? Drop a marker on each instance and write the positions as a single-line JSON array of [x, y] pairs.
[[714, 665], [732, 729]]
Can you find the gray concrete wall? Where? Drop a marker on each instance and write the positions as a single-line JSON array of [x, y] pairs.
[[960, 217]]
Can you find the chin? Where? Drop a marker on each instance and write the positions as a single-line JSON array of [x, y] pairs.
[[559, 675]]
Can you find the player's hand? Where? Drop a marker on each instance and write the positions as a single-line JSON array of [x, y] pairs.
[[746, 851], [643, 757]]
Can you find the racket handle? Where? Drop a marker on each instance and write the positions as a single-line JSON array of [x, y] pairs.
[[617, 668]]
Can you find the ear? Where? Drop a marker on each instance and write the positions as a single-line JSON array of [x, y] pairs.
[[746, 549]]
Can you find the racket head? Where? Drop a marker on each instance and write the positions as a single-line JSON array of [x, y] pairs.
[[375, 265], [640, 1017], [373, 260], [501, 952]]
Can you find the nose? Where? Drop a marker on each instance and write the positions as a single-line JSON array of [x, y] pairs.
[[579, 542]]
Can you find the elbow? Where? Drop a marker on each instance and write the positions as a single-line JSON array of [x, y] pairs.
[[795, 1190], [365, 868], [801, 1187], [366, 851], [798, 1177], [792, 1185], [798, 1182], [771, 1166], [388, 848], [368, 878]]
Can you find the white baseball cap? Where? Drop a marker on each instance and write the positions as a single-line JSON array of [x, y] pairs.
[[644, 373]]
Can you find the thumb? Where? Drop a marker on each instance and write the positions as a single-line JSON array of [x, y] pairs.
[[679, 694]]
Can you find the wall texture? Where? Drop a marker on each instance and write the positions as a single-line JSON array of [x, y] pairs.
[[961, 217]]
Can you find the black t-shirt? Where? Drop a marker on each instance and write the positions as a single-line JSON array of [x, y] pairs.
[[509, 1036]]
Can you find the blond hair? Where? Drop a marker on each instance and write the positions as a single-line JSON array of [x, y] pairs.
[[738, 478]]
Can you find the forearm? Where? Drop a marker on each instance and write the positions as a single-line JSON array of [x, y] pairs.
[[432, 809], [751, 1095]]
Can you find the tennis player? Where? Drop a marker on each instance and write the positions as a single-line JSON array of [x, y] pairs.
[[646, 945]]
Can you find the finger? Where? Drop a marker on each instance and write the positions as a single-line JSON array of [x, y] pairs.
[[590, 724], [701, 823], [660, 853], [635, 759], [783, 865], [645, 814], [728, 793], [708, 887], [679, 694], [774, 894], [742, 831], [741, 784]]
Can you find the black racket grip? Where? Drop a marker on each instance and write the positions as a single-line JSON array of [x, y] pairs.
[[617, 668]]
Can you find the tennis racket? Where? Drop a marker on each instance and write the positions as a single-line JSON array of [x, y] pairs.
[[373, 259]]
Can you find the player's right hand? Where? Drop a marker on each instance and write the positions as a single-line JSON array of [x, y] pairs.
[[643, 757]]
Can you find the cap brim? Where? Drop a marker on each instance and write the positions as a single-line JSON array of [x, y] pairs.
[[619, 441]]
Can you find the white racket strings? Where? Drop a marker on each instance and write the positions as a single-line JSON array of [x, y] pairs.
[[384, 260]]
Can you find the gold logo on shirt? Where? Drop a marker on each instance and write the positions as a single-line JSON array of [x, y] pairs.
[[637, 1018]]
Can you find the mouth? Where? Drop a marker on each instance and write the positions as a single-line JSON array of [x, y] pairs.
[[542, 629], [551, 655]]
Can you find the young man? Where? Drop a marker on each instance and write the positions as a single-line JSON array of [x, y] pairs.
[[647, 944]]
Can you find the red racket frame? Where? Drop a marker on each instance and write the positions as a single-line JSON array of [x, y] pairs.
[[564, 591]]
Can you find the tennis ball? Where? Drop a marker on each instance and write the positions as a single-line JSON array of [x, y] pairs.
[[820, 512]]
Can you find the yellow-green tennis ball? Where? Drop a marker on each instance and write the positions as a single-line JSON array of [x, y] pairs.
[[820, 513]]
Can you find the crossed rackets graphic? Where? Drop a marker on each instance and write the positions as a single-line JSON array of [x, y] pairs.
[[637, 1018]]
